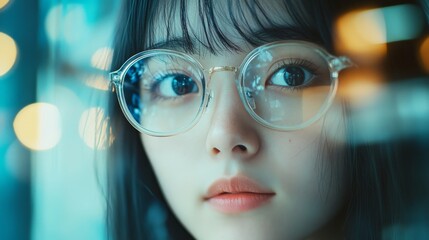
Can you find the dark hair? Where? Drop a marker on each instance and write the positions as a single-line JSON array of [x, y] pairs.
[[136, 206]]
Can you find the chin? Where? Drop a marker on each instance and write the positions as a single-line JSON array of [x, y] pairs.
[[246, 232]]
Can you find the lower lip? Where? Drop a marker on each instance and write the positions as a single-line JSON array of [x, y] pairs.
[[239, 202]]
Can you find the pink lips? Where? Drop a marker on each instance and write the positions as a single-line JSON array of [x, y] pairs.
[[238, 194]]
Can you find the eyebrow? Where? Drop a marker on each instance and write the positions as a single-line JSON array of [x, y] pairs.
[[262, 36]]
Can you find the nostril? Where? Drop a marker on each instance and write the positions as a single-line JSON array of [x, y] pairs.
[[237, 148], [240, 148], [215, 151]]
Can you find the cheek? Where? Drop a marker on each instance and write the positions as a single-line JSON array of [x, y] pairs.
[[308, 178], [298, 165], [173, 161], [168, 159]]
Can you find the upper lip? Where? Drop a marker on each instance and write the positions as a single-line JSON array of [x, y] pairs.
[[237, 184]]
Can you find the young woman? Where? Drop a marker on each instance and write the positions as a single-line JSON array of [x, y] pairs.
[[228, 126]]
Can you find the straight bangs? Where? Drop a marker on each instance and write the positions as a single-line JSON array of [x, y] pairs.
[[196, 26]]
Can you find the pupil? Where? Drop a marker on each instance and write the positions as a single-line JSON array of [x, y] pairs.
[[294, 76], [182, 85]]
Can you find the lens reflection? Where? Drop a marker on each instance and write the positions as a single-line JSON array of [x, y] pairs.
[[164, 92], [283, 85], [287, 85]]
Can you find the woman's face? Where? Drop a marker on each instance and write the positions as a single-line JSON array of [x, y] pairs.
[[231, 178]]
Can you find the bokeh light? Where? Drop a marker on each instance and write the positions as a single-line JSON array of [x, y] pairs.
[[38, 126], [8, 52], [360, 86], [75, 18], [424, 54], [94, 128], [3, 3], [98, 82], [412, 105], [52, 24], [2, 122], [102, 58], [17, 161], [408, 26], [364, 33], [72, 17], [361, 33]]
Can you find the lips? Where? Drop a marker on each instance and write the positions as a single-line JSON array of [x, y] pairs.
[[237, 194]]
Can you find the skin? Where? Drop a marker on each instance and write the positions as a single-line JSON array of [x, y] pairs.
[[296, 165]]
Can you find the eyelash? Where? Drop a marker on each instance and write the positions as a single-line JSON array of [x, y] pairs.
[[313, 68], [157, 80], [308, 65]]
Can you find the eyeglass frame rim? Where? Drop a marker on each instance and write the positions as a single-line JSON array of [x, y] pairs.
[[335, 65]]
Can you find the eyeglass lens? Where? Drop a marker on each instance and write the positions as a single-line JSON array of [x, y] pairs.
[[286, 86], [281, 85]]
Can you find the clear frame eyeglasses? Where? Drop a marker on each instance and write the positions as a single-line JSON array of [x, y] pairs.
[[285, 85]]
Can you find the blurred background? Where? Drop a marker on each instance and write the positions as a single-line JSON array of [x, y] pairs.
[[54, 56], [53, 59]]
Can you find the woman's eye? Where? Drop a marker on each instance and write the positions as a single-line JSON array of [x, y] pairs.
[[174, 85], [291, 76]]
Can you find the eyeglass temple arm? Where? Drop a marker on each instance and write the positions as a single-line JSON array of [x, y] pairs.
[[340, 63], [114, 77]]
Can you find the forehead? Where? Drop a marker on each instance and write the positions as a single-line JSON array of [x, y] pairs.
[[214, 24]]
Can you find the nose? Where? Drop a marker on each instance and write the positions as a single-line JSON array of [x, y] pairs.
[[232, 132]]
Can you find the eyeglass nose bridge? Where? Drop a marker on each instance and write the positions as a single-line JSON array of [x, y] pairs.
[[213, 70]]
